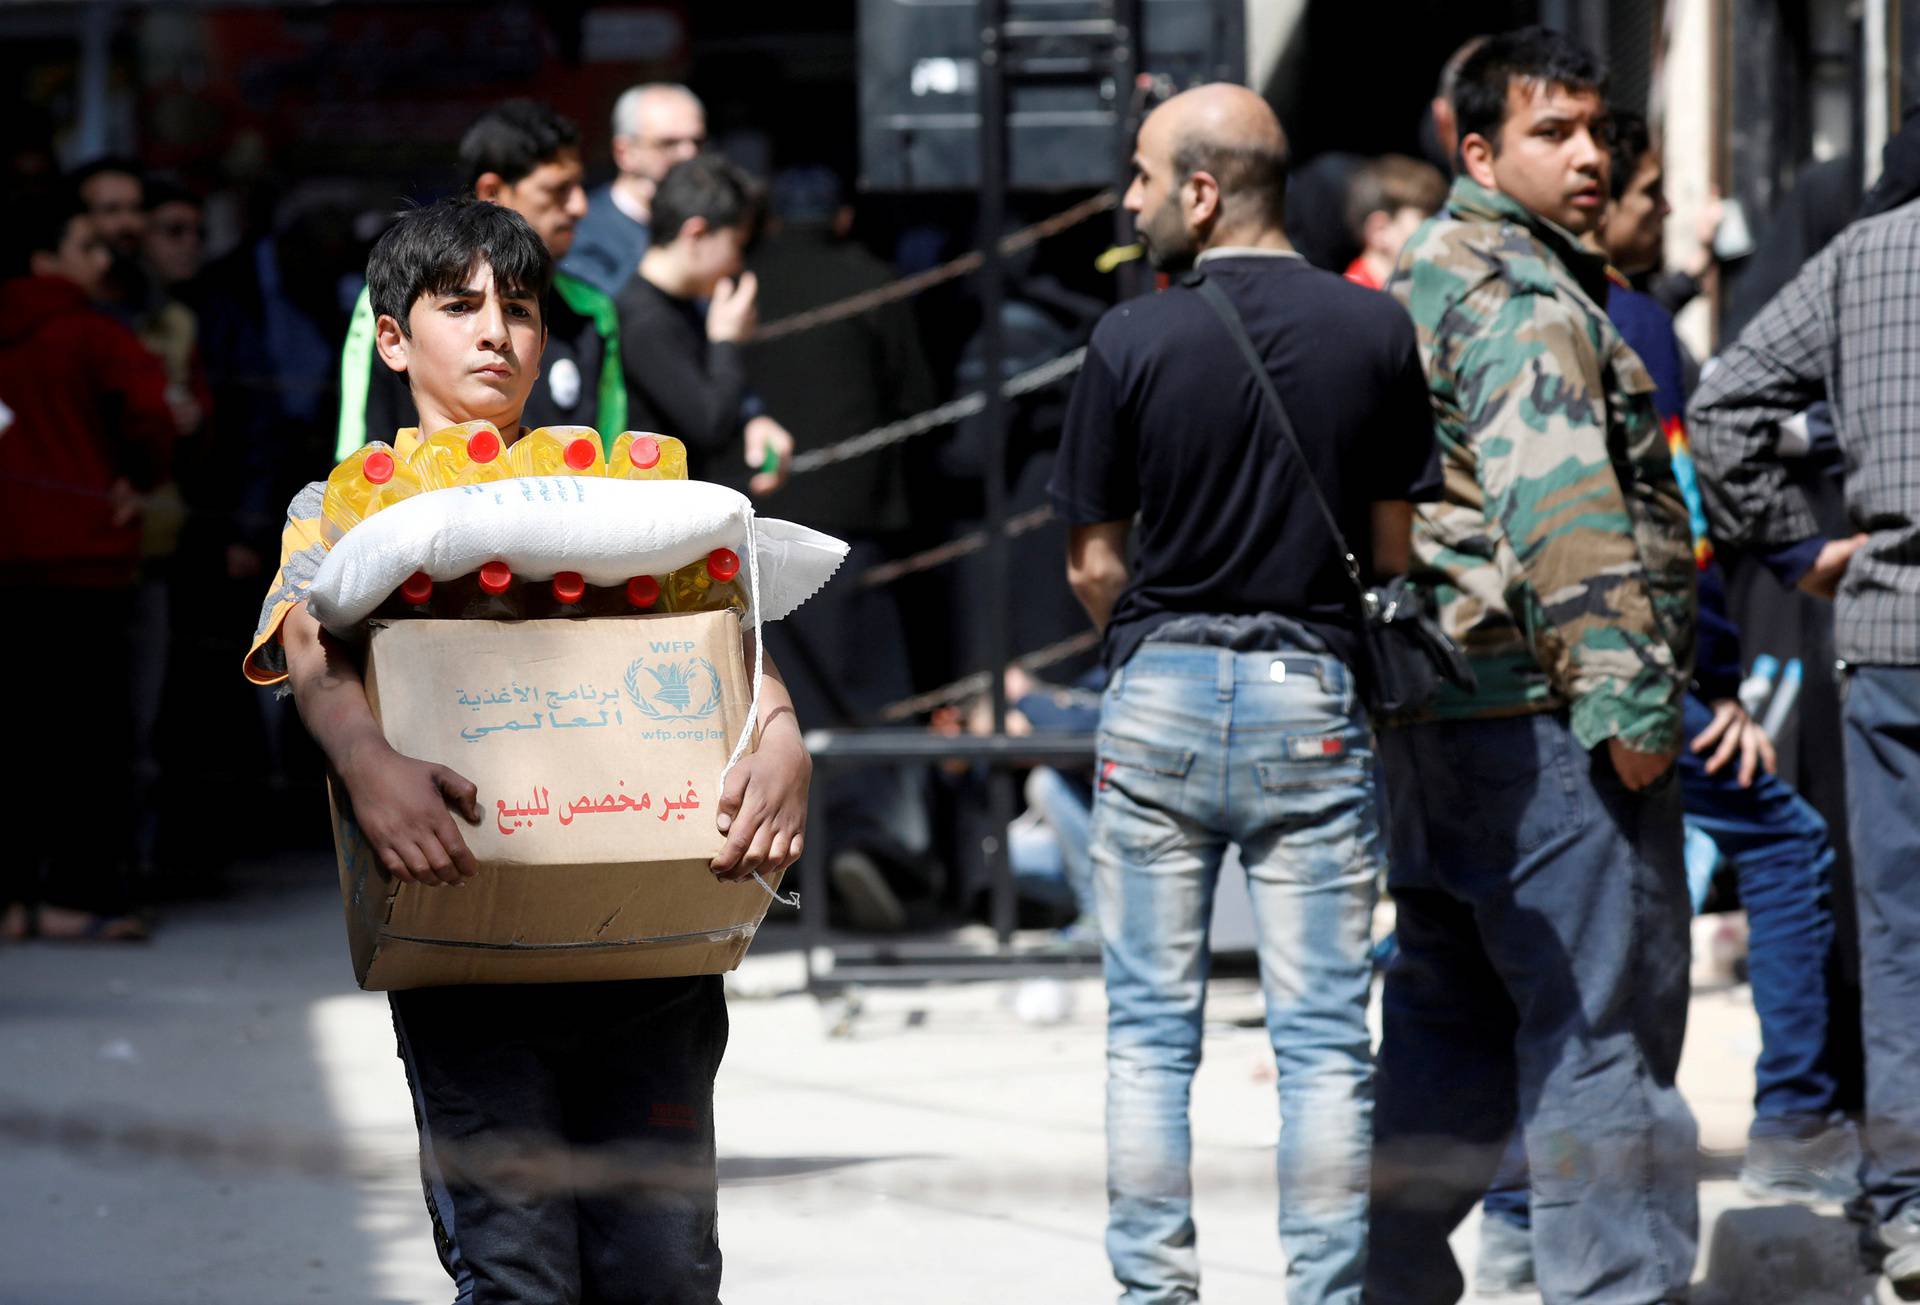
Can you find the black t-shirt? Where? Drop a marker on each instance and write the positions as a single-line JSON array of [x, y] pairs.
[[680, 383], [1167, 421]]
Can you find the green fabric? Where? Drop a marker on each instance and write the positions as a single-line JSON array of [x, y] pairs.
[[590, 301], [356, 365]]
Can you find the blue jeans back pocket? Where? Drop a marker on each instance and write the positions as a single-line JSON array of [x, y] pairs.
[[1140, 785]]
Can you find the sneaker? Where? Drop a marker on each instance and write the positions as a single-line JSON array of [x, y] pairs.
[[1505, 1264], [1808, 1170], [1900, 1270], [870, 902]]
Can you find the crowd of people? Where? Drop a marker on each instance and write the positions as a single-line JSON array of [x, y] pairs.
[[1507, 427], [1492, 401], [260, 368]]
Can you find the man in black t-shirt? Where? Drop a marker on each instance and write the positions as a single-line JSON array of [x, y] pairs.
[[1231, 715]]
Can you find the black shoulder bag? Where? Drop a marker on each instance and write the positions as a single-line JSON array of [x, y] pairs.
[[1406, 653]]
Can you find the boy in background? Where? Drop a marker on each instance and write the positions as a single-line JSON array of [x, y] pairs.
[[84, 427], [1389, 198]]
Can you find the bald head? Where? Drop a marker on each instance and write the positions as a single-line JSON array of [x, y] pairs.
[[1210, 168], [1228, 116], [655, 126]]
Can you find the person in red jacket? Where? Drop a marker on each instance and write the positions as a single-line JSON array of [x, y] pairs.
[[84, 427]]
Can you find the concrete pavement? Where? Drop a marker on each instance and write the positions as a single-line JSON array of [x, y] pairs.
[[219, 1117]]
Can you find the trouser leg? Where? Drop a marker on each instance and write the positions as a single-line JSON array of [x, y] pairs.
[[639, 1108], [1313, 883], [1883, 777], [493, 1158], [1444, 1087], [1779, 849]]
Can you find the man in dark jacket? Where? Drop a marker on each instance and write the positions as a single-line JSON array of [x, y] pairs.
[[525, 157], [83, 427]]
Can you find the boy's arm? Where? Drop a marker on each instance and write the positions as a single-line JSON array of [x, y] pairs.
[[401, 803], [763, 808]]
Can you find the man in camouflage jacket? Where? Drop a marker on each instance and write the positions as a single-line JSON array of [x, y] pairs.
[[1536, 865]]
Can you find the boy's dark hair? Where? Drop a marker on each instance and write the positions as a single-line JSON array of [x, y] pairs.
[[430, 250], [86, 172], [1632, 141], [705, 186], [1387, 185], [36, 222], [513, 139], [162, 190], [1531, 54]]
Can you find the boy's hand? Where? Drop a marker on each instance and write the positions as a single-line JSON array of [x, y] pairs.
[[1637, 770], [732, 313], [1733, 733], [764, 434], [763, 810], [404, 807], [1823, 578]]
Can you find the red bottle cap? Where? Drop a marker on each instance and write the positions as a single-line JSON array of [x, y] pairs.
[[417, 588], [568, 587], [378, 468], [484, 446], [723, 564], [643, 591], [580, 454], [495, 577], [644, 452]]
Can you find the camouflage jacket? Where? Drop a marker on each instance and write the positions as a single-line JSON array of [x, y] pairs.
[[1559, 555]]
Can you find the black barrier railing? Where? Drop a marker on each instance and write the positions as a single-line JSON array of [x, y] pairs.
[[1013, 53], [836, 961]]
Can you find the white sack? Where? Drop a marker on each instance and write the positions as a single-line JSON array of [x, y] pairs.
[[607, 530]]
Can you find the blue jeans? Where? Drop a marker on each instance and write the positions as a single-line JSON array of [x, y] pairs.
[[1541, 979], [1053, 862], [1200, 747], [1882, 716], [1781, 854]]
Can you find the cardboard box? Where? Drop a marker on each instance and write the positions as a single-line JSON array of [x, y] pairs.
[[597, 747]]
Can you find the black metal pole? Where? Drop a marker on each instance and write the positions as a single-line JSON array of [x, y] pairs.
[[993, 212], [1132, 278]]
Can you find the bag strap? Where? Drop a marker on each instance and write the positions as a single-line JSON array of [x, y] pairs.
[[1229, 316]]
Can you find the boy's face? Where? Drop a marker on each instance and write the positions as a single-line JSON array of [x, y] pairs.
[[1387, 235], [82, 258], [1636, 222], [713, 253], [114, 200], [552, 198], [471, 353], [1551, 154], [174, 241]]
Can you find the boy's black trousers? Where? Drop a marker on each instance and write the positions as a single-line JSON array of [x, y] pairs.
[[566, 1137]]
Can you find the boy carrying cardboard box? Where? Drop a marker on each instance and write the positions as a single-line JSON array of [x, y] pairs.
[[566, 1129]]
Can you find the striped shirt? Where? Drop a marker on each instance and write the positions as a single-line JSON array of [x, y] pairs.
[[1846, 328]]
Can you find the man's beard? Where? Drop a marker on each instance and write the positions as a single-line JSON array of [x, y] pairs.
[[1170, 247]]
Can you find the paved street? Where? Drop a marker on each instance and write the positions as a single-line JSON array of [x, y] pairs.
[[219, 1117]]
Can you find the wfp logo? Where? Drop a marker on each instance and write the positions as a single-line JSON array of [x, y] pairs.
[[674, 690]]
